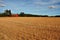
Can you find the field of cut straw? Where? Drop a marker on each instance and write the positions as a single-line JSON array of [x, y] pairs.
[[29, 28]]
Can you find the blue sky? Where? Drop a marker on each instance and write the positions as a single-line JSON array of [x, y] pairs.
[[39, 7]]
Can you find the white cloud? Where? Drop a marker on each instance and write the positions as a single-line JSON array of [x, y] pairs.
[[2, 4], [47, 3], [53, 7], [1, 1], [40, 2]]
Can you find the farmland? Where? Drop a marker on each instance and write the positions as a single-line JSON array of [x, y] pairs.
[[29, 28]]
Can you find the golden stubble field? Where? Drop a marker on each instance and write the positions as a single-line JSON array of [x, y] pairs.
[[29, 28]]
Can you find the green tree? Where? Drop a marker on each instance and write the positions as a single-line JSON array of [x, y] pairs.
[[22, 14], [7, 13]]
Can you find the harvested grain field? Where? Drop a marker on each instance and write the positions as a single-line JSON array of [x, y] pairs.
[[29, 28]]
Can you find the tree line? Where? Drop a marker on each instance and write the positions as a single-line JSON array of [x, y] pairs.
[[7, 13]]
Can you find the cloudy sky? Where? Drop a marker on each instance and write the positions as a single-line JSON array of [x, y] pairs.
[[43, 7]]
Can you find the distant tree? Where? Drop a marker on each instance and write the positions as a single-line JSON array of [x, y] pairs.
[[10, 13], [44, 15], [57, 16], [1, 14], [7, 13], [22, 14]]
